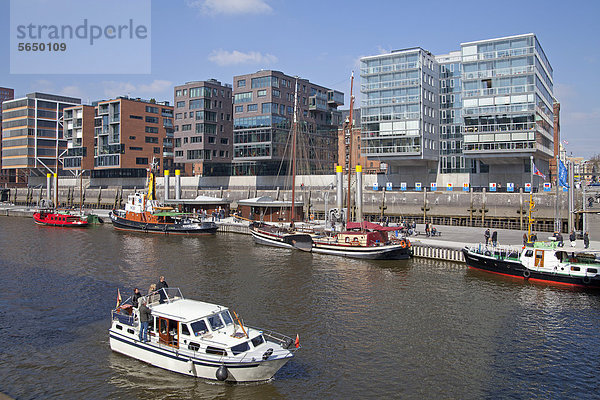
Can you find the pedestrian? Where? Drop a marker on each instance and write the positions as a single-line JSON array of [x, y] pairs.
[[427, 229], [525, 239], [486, 235], [572, 238], [533, 238], [145, 315], [162, 284], [559, 237], [136, 296], [494, 238], [586, 240]]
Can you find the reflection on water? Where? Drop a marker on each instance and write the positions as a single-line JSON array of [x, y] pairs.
[[376, 329]]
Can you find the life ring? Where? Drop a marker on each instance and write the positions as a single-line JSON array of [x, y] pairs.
[[355, 242], [587, 280], [487, 253], [526, 273], [403, 244]]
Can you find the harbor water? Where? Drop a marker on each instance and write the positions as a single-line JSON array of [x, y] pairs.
[[369, 329]]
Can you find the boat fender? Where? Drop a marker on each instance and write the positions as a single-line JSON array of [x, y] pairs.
[[190, 366], [587, 280], [526, 274], [267, 354], [222, 373], [487, 253]]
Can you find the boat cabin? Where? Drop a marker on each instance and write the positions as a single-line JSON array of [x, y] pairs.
[[362, 238], [268, 210], [556, 259], [200, 204]]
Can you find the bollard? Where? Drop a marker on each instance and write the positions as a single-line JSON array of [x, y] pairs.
[[177, 184], [167, 186]]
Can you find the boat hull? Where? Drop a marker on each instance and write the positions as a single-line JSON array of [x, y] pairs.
[[516, 269], [38, 219], [163, 357], [203, 228], [387, 252]]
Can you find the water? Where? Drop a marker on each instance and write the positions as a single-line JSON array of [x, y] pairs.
[[376, 329]]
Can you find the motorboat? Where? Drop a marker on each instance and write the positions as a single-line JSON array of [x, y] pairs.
[[199, 339], [59, 219]]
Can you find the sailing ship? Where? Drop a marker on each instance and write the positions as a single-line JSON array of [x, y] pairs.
[[142, 213], [198, 339], [359, 240]]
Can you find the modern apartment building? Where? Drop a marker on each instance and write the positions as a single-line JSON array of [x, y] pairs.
[[6, 176], [494, 105], [263, 117], [204, 127], [400, 111], [119, 138], [32, 134]]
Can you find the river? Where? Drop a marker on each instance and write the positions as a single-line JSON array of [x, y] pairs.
[[375, 329]]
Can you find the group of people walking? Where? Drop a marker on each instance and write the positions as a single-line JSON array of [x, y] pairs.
[[490, 239], [140, 302]]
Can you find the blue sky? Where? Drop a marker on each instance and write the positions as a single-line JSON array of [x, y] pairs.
[[323, 40]]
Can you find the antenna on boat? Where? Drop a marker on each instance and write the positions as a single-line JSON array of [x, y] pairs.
[[349, 169]]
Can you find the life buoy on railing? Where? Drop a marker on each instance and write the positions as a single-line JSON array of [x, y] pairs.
[[312, 217], [403, 244], [526, 274], [355, 242], [487, 253]]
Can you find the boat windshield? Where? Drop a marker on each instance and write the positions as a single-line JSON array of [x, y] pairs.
[[226, 318], [215, 322], [199, 327]]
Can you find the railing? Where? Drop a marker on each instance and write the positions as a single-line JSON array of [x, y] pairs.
[[527, 69], [389, 68], [499, 91], [389, 84]]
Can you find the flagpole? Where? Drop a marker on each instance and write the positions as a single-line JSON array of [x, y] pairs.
[[529, 219], [557, 224]]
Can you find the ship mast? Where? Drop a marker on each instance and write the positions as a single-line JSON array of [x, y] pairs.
[[349, 169], [294, 135]]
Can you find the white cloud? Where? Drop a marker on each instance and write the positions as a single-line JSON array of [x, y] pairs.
[[72, 91], [156, 88], [223, 57], [42, 85], [214, 7]]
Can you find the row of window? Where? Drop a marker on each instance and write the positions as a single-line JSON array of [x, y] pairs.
[[201, 92]]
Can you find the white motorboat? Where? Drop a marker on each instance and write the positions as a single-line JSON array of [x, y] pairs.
[[199, 339]]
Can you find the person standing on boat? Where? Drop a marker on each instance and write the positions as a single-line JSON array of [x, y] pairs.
[[586, 240], [145, 315], [136, 296], [494, 238], [572, 238], [486, 235], [162, 284], [525, 239]]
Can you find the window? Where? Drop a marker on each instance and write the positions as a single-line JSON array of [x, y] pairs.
[[211, 139], [193, 346], [152, 110], [245, 97], [215, 350], [224, 141], [178, 93], [261, 93], [265, 81], [186, 127], [215, 322], [180, 104], [135, 117], [240, 348], [151, 129], [178, 116], [141, 160], [241, 83], [185, 330], [199, 327], [276, 93], [200, 92], [151, 139], [156, 150], [258, 341], [135, 148], [152, 120], [131, 137], [239, 109], [252, 107]]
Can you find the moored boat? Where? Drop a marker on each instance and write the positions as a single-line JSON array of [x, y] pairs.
[[538, 262], [59, 219], [199, 339]]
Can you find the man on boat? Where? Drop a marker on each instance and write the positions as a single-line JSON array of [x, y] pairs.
[[162, 284], [572, 238], [145, 315], [495, 238], [486, 235], [586, 240]]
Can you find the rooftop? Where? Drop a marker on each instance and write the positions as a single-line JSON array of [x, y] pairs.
[[186, 310]]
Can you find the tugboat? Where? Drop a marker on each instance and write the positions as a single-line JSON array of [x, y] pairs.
[[199, 339], [143, 213], [63, 220]]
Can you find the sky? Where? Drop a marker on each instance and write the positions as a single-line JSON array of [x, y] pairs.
[[323, 41]]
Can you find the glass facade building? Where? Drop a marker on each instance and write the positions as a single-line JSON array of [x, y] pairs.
[[481, 111]]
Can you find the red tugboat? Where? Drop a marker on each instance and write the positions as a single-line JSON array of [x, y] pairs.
[[53, 218]]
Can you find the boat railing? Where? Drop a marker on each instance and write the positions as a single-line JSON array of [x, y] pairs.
[[498, 251], [164, 295], [285, 341]]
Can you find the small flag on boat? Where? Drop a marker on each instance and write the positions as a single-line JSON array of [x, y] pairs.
[[118, 297], [297, 342]]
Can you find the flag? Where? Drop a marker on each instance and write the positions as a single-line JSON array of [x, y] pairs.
[[297, 342], [562, 174], [537, 172], [565, 142], [118, 298]]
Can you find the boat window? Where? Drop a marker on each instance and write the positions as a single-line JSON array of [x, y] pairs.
[[163, 326], [185, 330], [119, 327], [257, 341], [575, 268], [592, 271], [193, 346], [199, 327], [240, 348], [215, 322], [226, 318], [215, 350], [130, 331], [528, 253]]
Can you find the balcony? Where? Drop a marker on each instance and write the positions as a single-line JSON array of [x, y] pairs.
[[335, 98]]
